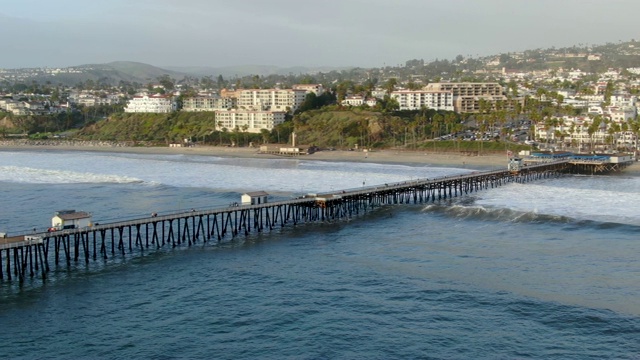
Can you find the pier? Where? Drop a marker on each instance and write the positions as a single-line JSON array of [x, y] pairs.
[[35, 254], [31, 255]]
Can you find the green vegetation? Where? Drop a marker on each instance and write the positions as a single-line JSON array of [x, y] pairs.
[[348, 128], [148, 127], [33, 124], [162, 129], [328, 127], [362, 127]]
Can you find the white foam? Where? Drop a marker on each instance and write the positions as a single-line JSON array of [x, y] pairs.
[[604, 199], [224, 174], [40, 176]]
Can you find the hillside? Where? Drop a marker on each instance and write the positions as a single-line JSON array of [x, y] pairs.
[[326, 128], [148, 127], [111, 73]]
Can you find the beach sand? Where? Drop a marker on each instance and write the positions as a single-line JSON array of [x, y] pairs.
[[480, 162], [382, 156]]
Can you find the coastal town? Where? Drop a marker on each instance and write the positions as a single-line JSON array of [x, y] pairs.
[[580, 105]]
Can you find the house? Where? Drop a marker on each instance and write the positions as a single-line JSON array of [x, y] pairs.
[[254, 198], [70, 219], [310, 88], [354, 100]]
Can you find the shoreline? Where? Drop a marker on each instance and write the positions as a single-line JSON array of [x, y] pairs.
[[489, 161], [379, 156]]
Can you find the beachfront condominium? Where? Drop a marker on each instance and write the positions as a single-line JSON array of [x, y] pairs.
[[151, 104], [418, 99], [249, 121], [269, 99], [467, 97], [207, 103]]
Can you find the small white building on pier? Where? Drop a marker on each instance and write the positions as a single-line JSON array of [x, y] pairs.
[[70, 219], [254, 198]]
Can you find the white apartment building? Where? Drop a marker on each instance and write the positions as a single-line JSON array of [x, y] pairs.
[[317, 89], [467, 96], [208, 103], [270, 99], [255, 121], [623, 100], [620, 114], [467, 89], [151, 104], [415, 100], [627, 139]]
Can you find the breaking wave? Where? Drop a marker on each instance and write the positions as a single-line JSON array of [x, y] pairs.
[[481, 213], [40, 176]]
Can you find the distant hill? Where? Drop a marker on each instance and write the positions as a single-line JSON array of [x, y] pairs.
[[593, 58], [129, 71], [246, 70], [141, 70], [112, 73]]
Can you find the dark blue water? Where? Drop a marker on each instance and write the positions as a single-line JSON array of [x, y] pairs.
[[452, 280]]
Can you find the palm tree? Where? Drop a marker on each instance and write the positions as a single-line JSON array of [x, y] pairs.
[[265, 135], [245, 127]]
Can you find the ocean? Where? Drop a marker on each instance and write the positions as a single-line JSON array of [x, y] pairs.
[[542, 270]]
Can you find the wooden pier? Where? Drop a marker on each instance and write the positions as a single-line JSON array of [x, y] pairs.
[[35, 254]]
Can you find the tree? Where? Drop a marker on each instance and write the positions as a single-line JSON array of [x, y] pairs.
[[310, 102], [55, 95], [265, 136], [166, 81], [593, 128], [342, 89], [245, 127], [390, 85], [413, 86], [206, 82], [221, 82], [387, 104]]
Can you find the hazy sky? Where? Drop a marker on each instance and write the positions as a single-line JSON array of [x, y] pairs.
[[366, 33]]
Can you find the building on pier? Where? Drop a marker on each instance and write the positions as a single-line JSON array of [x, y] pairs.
[[589, 164], [515, 164], [254, 198], [70, 219]]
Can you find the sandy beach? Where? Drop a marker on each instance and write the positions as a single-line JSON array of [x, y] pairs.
[[381, 156], [482, 162]]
